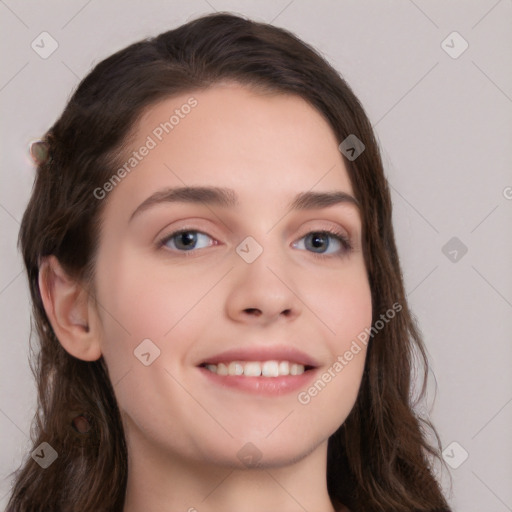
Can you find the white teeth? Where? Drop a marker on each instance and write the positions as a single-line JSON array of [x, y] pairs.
[[257, 369], [252, 369], [235, 368], [222, 369], [284, 368], [296, 369], [270, 369]]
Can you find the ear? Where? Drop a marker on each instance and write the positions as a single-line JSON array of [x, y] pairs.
[[70, 311]]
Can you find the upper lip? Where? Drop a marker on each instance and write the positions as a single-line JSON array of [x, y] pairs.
[[262, 353]]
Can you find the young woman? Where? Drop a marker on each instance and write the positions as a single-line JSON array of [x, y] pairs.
[[217, 291]]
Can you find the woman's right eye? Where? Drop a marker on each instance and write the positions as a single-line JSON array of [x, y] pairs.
[[186, 240]]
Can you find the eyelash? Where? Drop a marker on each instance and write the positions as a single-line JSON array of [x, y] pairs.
[[343, 239]]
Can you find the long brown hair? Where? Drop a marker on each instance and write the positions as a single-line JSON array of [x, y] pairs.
[[379, 459]]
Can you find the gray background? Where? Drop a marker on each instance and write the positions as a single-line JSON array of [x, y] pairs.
[[445, 127]]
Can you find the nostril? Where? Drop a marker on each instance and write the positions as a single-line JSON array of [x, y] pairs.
[[255, 311]]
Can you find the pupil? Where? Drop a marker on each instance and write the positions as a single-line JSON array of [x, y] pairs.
[[187, 239], [318, 240]]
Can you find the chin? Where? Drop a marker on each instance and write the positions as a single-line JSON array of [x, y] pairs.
[[260, 453]]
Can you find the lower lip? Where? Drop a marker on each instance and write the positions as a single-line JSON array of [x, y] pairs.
[[270, 386]]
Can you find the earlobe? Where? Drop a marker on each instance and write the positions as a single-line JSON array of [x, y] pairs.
[[71, 314]]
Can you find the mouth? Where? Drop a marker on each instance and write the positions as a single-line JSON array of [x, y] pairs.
[[265, 371]]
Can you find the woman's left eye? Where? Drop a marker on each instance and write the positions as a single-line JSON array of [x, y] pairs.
[[320, 243], [186, 240]]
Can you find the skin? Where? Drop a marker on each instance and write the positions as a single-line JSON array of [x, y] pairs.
[[183, 433]]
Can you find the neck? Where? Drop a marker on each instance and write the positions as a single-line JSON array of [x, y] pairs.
[[159, 481]]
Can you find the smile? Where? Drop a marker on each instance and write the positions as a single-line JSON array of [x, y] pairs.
[[257, 368], [261, 370]]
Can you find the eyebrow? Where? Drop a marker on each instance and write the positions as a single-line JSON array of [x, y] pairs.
[[227, 198]]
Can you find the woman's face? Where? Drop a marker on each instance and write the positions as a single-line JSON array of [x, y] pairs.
[[251, 285]]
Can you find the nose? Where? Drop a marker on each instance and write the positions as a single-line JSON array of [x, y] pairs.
[[264, 291]]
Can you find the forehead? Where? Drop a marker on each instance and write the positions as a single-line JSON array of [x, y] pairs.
[[261, 145]]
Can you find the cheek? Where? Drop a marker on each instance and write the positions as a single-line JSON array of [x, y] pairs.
[[342, 302], [141, 300]]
